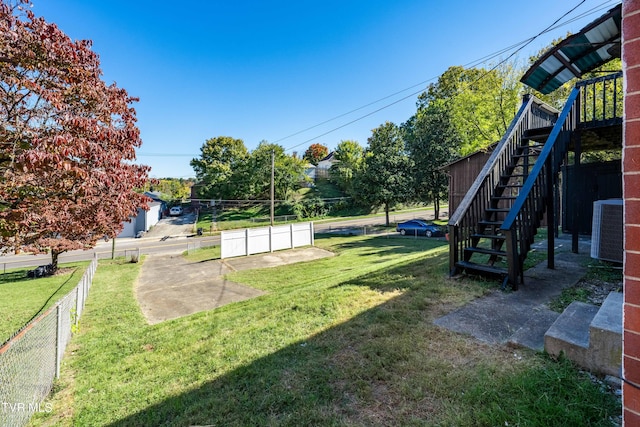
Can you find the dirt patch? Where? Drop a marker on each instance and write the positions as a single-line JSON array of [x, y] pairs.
[[597, 290]]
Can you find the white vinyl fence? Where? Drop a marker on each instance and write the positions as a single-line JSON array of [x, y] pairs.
[[30, 360], [265, 239]]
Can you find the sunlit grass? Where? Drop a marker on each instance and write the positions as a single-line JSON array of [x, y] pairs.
[[346, 340], [23, 298]]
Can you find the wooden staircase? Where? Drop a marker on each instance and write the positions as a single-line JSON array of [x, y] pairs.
[[494, 226]]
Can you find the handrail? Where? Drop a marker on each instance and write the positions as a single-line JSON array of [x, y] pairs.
[[498, 152], [491, 163], [540, 162]]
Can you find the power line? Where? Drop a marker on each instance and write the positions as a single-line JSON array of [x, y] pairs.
[[521, 45]]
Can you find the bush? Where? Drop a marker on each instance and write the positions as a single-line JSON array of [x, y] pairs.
[[311, 208]]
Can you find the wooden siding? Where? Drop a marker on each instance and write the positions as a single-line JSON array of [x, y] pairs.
[[462, 173]]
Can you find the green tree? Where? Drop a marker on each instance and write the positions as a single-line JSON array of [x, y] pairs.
[[349, 155], [171, 188], [289, 172], [221, 158], [385, 179], [481, 103], [315, 153], [432, 141]]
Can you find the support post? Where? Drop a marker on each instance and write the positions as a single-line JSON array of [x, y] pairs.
[[576, 199], [58, 339], [551, 212]]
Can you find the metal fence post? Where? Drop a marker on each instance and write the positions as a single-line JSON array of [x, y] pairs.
[[78, 302], [58, 339]]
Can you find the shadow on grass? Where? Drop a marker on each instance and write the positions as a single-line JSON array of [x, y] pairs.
[[386, 366]]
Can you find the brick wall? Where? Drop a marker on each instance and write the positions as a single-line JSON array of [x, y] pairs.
[[631, 193]]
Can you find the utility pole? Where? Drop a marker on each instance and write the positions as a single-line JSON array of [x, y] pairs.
[[273, 167]]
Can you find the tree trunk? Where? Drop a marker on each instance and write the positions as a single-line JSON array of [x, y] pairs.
[[54, 260], [386, 211], [436, 207]]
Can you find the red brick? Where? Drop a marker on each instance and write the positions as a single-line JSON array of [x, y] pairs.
[[632, 211], [631, 27], [630, 6], [631, 237], [631, 369], [631, 344], [631, 397], [631, 264], [632, 106], [631, 158], [633, 80], [631, 186], [632, 133], [631, 49], [631, 418], [632, 292], [631, 318]]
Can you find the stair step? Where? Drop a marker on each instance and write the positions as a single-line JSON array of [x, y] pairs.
[[570, 332], [609, 317], [468, 265], [485, 251], [605, 331], [589, 335], [510, 185], [504, 197], [490, 223], [489, 236], [498, 210]]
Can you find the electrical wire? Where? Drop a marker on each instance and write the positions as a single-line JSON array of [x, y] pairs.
[[520, 45], [517, 46]]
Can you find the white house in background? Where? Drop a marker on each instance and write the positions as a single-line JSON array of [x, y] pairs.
[[310, 171], [322, 170], [143, 221]]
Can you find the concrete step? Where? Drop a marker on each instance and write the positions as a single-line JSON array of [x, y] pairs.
[[606, 336], [589, 335]]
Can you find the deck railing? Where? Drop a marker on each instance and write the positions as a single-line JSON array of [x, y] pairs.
[[463, 223]]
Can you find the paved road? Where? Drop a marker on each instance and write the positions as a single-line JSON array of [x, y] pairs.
[[175, 235]]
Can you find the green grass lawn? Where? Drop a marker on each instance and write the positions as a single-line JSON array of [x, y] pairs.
[[346, 340], [22, 298]]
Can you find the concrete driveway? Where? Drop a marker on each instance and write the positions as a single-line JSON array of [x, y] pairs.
[[170, 287], [173, 226]]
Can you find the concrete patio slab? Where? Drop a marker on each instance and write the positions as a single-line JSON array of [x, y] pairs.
[[170, 287]]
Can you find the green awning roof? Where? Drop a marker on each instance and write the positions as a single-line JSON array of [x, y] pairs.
[[594, 45]]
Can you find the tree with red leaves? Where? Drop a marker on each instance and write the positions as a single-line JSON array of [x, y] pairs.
[[67, 141], [315, 153]]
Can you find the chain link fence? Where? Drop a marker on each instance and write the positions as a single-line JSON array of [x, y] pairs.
[[30, 360]]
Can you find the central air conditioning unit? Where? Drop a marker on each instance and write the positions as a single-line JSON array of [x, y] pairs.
[[607, 230]]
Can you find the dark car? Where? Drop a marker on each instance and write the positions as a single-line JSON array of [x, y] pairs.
[[416, 227]]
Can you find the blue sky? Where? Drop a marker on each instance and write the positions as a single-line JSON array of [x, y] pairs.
[[264, 70]]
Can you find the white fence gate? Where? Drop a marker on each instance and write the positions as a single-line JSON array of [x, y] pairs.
[[265, 239]]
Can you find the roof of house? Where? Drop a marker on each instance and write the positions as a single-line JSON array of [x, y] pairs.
[[329, 157], [595, 45]]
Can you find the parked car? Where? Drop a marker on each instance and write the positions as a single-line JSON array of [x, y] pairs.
[[175, 211], [420, 228]]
